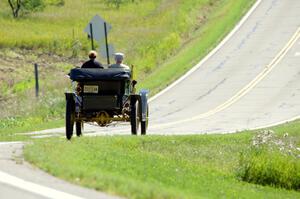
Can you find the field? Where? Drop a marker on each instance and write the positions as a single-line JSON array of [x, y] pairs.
[[198, 166], [162, 38]]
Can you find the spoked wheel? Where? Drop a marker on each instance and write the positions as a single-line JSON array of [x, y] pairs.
[[70, 116], [79, 126], [134, 118], [144, 124]]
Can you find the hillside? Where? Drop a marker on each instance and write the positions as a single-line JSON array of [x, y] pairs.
[[162, 38]]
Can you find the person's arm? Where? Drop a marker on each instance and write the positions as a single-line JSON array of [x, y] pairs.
[[99, 65], [83, 65]]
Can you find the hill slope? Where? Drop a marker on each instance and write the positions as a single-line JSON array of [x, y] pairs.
[[162, 38]]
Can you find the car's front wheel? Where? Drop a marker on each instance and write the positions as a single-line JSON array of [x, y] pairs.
[[79, 128], [144, 124]]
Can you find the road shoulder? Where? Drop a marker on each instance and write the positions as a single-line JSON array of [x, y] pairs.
[[12, 164]]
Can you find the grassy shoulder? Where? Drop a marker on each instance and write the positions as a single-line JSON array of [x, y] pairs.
[[194, 166], [15, 127]]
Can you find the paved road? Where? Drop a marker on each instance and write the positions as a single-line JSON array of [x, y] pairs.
[[253, 80]]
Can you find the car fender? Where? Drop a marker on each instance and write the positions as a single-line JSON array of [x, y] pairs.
[[144, 103]]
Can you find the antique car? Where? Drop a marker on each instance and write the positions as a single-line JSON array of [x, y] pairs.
[[105, 96]]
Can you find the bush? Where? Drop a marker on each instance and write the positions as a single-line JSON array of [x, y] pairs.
[[32, 6], [271, 160], [55, 2], [117, 3]]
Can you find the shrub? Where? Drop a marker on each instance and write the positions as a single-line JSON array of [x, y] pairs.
[[117, 3], [55, 2], [33, 5], [271, 160]]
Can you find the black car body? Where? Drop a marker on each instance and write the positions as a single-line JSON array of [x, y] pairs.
[[105, 96]]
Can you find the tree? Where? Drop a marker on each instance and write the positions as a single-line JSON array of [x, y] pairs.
[[15, 7], [26, 6]]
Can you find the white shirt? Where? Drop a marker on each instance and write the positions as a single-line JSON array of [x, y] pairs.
[[119, 66]]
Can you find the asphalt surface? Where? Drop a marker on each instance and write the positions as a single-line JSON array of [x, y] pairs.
[[248, 83], [251, 81]]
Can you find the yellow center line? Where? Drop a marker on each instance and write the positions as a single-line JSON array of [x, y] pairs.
[[244, 90]]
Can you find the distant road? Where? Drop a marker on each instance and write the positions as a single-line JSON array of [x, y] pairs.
[[252, 81]]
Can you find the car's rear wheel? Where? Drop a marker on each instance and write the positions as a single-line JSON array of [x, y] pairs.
[[79, 128], [144, 124], [70, 116], [134, 118]]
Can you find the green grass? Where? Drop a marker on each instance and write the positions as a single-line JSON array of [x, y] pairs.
[[43, 113], [12, 128], [195, 166]]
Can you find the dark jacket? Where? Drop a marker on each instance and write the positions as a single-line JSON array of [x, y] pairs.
[[92, 64]]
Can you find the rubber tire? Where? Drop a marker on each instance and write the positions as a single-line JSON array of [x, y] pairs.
[[79, 129], [144, 124], [134, 119], [70, 116]]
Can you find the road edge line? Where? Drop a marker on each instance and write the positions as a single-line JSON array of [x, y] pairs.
[[34, 188], [276, 123]]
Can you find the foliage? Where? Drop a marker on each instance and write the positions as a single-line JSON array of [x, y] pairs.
[[25, 6], [33, 5], [55, 2], [118, 3], [24, 85], [271, 160]]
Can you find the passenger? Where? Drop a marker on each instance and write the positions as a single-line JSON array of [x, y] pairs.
[[92, 63], [119, 59]]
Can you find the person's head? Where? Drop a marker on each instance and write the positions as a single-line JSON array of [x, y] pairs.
[[119, 57], [92, 54]]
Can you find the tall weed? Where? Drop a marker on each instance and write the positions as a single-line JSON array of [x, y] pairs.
[[271, 160]]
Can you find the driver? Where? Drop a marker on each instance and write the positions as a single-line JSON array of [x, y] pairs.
[[92, 63]]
